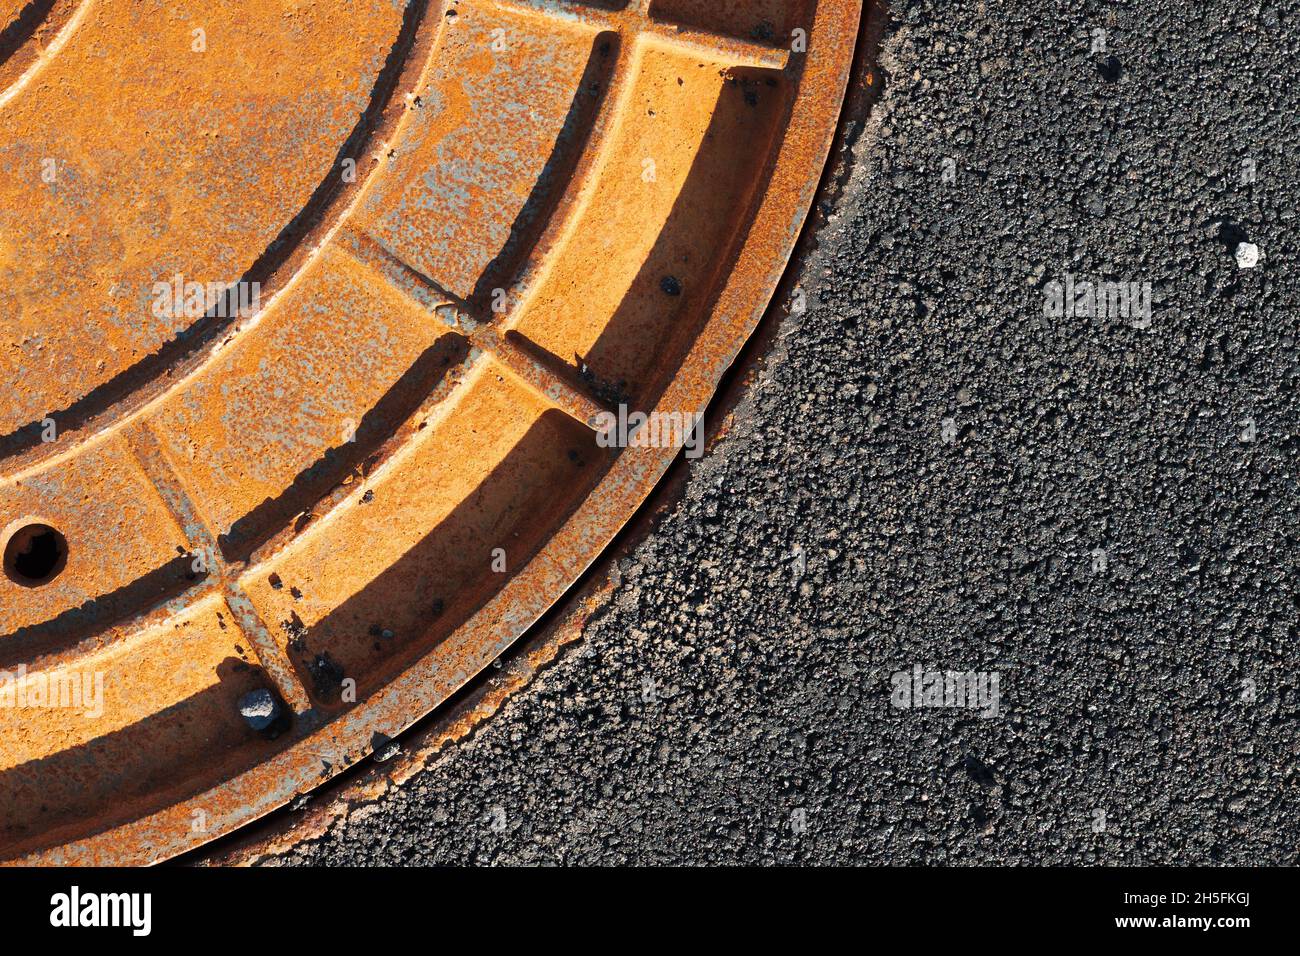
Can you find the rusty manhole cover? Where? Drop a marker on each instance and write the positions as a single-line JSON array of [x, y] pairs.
[[327, 328]]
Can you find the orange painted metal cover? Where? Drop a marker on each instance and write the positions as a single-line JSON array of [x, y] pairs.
[[341, 339]]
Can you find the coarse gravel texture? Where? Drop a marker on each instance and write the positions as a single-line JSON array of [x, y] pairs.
[[951, 462]]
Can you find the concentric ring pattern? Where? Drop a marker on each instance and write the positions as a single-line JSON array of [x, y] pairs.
[[326, 324]]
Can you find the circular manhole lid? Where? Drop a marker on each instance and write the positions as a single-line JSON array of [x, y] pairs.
[[341, 339]]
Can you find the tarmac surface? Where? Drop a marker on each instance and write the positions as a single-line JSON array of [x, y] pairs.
[[942, 466]]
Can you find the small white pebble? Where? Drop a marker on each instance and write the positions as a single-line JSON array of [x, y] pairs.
[[1247, 255]]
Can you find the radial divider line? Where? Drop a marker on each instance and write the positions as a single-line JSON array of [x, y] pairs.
[[552, 380], [158, 470], [635, 20], [737, 52], [277, 663]]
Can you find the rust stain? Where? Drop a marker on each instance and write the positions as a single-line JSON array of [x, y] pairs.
[[319, 316]]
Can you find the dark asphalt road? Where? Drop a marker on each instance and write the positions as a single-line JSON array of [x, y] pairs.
[[948, 458]]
